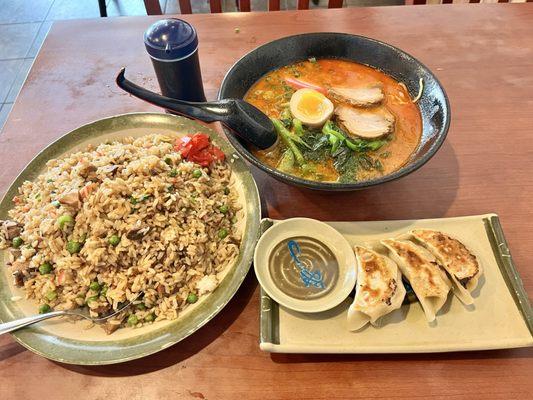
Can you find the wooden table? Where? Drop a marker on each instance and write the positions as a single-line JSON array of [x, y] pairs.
[[483, 55]]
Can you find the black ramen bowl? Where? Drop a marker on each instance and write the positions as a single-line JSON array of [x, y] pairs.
[[433, 104]]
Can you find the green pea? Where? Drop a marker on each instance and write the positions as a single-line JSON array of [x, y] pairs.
[[51, 295], [114, 240], [17, 242], [224, 209], [234, 220], [49, 180], [192, 298], [56, 204], [45, 268], [103, 291], [92, 298], [95, 286], [44, 308], [222, 233], [173, 173], [226, 190], [150, 317], [73, 246], [141, 306], [197, 173], [132, 320], [168, 160], [64, 221]]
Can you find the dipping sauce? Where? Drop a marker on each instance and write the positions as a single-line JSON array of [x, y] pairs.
[[303, 268]]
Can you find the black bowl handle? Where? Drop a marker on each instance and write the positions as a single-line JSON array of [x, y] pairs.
[[241, 117], [207, 112]]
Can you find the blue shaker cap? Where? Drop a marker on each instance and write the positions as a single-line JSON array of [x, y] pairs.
[[170, 39]]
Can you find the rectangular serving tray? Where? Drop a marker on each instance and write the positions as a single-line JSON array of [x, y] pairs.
[[501, 316]]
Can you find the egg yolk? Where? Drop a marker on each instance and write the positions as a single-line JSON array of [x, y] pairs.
[[311, 104]]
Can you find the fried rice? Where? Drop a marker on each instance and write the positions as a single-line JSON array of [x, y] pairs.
[[128, 218]]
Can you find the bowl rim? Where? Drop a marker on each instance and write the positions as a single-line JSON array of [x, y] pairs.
[[338, 186]]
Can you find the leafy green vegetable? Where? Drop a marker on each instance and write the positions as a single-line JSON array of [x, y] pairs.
[[345, 162], [359, 145], [376, 144], [286, 137], [335, 142], [298, 128], [348, 163], [318, 148], [336, 137], [287, 161], [286, 118], [331, 129], [308, 147], [365, 162]]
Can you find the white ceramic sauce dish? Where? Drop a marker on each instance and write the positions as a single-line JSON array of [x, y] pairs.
[[305, 265]]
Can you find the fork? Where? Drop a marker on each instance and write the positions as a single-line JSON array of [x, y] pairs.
[[22, 322]]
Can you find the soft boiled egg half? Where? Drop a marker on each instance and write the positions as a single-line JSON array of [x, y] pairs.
[[311, 107]]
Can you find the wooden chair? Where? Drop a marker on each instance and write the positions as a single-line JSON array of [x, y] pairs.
[[460, 1], [152, 6]]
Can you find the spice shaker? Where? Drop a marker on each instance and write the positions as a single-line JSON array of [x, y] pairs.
[[173, 47]]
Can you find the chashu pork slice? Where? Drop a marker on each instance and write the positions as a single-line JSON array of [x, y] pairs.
[[359, 97], [462, 266], [367, 124]]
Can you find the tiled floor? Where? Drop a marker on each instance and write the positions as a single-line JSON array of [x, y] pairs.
[[25, 23]]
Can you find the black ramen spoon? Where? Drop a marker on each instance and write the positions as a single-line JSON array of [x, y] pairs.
[[241, 117]]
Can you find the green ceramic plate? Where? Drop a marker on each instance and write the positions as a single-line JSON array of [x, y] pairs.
[[73, 343]]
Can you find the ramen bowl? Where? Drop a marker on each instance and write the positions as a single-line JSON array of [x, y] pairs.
[[433, 102]]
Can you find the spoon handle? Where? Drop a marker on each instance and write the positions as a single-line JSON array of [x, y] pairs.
[[207, 112], [21, 323]]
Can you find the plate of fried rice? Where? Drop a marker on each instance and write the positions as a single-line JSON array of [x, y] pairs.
[[147, 208]]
